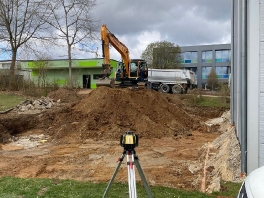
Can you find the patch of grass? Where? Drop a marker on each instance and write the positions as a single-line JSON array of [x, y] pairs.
[[15, 187], [209, 101], [8, 100], [206, 101], [11, 187], [228, 189]]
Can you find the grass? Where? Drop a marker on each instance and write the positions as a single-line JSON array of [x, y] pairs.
[[8, 100], [213, 102], [206, 101], [11, 187], [228, 189]]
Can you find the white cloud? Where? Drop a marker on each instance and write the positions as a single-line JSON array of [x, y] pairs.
[[183, 22], [137, 23]]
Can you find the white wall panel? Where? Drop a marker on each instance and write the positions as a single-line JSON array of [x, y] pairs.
[[255, 33], [261, 84], [261, 157], [261, 9], [261, 68]]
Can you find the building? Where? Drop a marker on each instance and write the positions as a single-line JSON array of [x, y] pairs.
[[85, 72], [247, 81], [202, 58], [5, 71]]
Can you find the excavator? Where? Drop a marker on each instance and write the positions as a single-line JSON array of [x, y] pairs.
[[130, 72]]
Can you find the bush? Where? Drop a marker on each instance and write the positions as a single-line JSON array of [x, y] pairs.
[[196, 96], [27, 87]]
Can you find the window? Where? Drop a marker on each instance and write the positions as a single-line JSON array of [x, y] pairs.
[[222, 56], [189, 57], [133, 67], [205, 72], [182, 57], [194, 57], [207, 56], [223, 72], [6, 65]]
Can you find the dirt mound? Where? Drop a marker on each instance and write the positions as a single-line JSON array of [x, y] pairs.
[[106, 113], [64, 95]]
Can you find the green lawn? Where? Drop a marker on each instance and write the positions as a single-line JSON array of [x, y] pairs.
[[206, 101], [11, 187], [8, 100], [210, 101]]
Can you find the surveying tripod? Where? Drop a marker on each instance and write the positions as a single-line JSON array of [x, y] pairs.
[[132, 159]]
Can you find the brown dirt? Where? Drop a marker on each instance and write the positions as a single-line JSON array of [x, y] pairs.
[[83, 137]]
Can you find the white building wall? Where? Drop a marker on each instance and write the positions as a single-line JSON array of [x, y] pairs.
[[261, 84], [255, 60]]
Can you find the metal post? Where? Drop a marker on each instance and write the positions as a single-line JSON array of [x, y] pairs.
[[131, 176], [244, 89], [231, 85]]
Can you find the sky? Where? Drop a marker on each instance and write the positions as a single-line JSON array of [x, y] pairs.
[[137, 23]]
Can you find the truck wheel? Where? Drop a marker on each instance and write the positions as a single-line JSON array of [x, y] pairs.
[[176, 89], [164, 88]]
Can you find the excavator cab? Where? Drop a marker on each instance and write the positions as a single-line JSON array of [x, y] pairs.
[[138, 71]]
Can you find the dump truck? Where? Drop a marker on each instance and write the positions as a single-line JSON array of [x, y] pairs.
[[176, 81]]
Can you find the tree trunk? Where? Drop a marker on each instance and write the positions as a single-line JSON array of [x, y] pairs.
[[12, 80], [70, 67]]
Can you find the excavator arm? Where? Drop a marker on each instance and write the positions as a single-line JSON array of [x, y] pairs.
[[109, 38]]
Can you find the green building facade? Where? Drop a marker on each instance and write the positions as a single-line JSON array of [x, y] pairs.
[[85, 72]]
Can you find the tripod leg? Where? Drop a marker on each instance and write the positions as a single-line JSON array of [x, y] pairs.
[[113, 176], [131, 175], [143, 178], [134, 175]]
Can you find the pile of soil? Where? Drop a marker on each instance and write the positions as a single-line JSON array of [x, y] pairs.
[[65, 95], [107, 113]]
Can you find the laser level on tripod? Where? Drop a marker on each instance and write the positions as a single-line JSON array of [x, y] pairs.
[[129, 141]]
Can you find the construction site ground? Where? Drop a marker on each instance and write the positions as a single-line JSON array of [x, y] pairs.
[[180, 145]]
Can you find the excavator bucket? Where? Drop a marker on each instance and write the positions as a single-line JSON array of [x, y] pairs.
[[107, 82]]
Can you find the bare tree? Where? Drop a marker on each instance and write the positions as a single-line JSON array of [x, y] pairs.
[[163, 54], [20, 21], [73, 23]]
